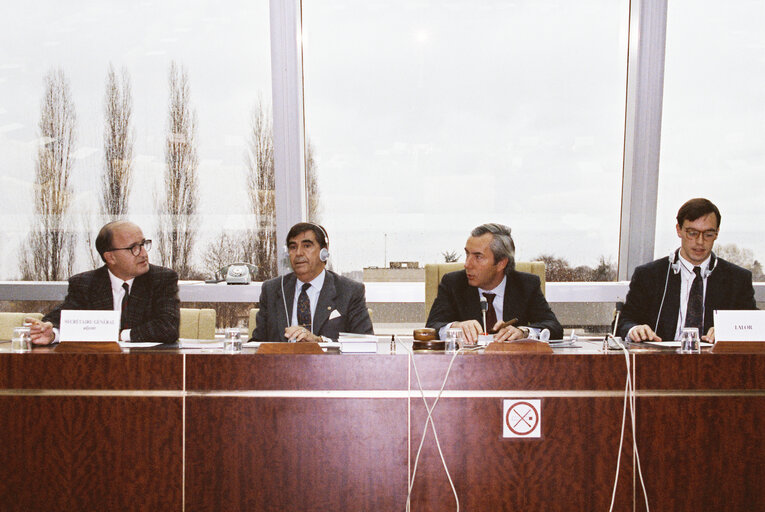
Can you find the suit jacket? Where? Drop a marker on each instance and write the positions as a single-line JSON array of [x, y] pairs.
[[337, 294], [457, 301], [153, 312], [728, 287]]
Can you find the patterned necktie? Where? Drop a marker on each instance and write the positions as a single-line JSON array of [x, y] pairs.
[[304, 308], [125, 298], [694, 314], [491, 314]]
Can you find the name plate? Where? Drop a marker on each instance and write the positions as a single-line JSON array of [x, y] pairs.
[[89, 325], [735, 325]]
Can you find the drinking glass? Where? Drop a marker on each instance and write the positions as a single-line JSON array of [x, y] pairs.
[[21, 340], [689, 341], [232, 342]]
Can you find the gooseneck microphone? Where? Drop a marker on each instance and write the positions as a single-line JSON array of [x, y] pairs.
[[484, 309]]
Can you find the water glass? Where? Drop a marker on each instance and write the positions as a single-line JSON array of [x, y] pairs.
[[232, 342], [689, 341], [22, 339], [454, 339]]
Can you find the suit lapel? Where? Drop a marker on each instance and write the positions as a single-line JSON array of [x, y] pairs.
[[139, 302], [510, 304], [470, 299], [669, 313], [712, 296], [288, 287], [101, 290], [327, 297]]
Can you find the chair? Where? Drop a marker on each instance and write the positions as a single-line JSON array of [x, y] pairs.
[[10, 320], [198, 324], [435, 271], [253, 321]]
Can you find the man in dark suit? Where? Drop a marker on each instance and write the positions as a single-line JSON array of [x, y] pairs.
[[311, 303], [147, 295], [510, 295], [682, 290]]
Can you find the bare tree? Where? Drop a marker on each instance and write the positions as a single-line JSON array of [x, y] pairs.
[[261, 244], [118, 146], [48, 254], [177, 229], [312, 184], [742, 257], [116, 178]]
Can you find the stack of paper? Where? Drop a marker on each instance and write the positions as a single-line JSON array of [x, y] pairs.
[[358, 343]]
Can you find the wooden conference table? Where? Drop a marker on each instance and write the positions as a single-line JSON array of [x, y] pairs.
[[205, 430]]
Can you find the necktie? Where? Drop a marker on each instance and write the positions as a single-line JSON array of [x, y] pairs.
[[694, 314], [125, 298], [304, 308], [491, 314]]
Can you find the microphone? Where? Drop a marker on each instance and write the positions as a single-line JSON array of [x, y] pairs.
[[617, 312], [612, 335], [484, 309]]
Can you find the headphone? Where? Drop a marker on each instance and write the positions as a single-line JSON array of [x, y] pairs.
[[674, 262], [324, 253], [675, 265]]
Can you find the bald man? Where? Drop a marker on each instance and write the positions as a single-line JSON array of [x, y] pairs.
[[147, 295]]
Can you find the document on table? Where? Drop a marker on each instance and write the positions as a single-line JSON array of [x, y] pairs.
[[673, 344]]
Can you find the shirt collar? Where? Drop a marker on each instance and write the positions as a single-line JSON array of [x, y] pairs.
[[689, 266], [316, 283], [499, 290], [117, 282]]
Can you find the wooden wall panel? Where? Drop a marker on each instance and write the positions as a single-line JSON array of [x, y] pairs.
[[523, 371], [703, 453], [90, 453], [571, 468], [277, 454], [295, 371], [50, 370]]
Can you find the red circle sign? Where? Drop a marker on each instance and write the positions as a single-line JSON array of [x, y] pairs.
[[522, 418]]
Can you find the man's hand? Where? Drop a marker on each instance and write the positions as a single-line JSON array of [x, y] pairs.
[[41, 333], [300, 333], [710, 337], [507, 333], [642, 333], [470, 330]]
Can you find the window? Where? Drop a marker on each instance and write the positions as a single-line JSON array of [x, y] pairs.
[[713, 140], [429, 118]]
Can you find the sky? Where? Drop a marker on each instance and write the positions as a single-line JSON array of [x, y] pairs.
[[427, 118]]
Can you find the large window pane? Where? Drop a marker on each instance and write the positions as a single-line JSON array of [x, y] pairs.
[[713, 136], [223, 49], [428, 118]]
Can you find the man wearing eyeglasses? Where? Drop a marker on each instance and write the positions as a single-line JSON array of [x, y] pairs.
[[684, 288], [147, 295]]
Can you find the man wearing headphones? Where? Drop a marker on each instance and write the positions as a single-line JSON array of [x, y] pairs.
[[310, 303], [684, 288]]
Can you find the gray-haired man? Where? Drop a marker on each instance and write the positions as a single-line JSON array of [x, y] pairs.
[[490, 272]]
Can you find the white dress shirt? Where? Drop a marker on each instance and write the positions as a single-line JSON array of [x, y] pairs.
[[686, 280], [118, 292], [313, 295]]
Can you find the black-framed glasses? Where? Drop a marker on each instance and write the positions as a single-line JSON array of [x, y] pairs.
[[693, 234], [134, 249]]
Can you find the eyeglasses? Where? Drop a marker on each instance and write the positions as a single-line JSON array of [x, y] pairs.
[[693, 234], [134, 249]]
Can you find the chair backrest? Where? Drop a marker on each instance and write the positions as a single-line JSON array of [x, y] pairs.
[[9, 320], [198, 324], [435, 271], [253, 322]]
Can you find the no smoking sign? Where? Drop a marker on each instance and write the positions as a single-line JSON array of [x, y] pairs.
[[522, 418]]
